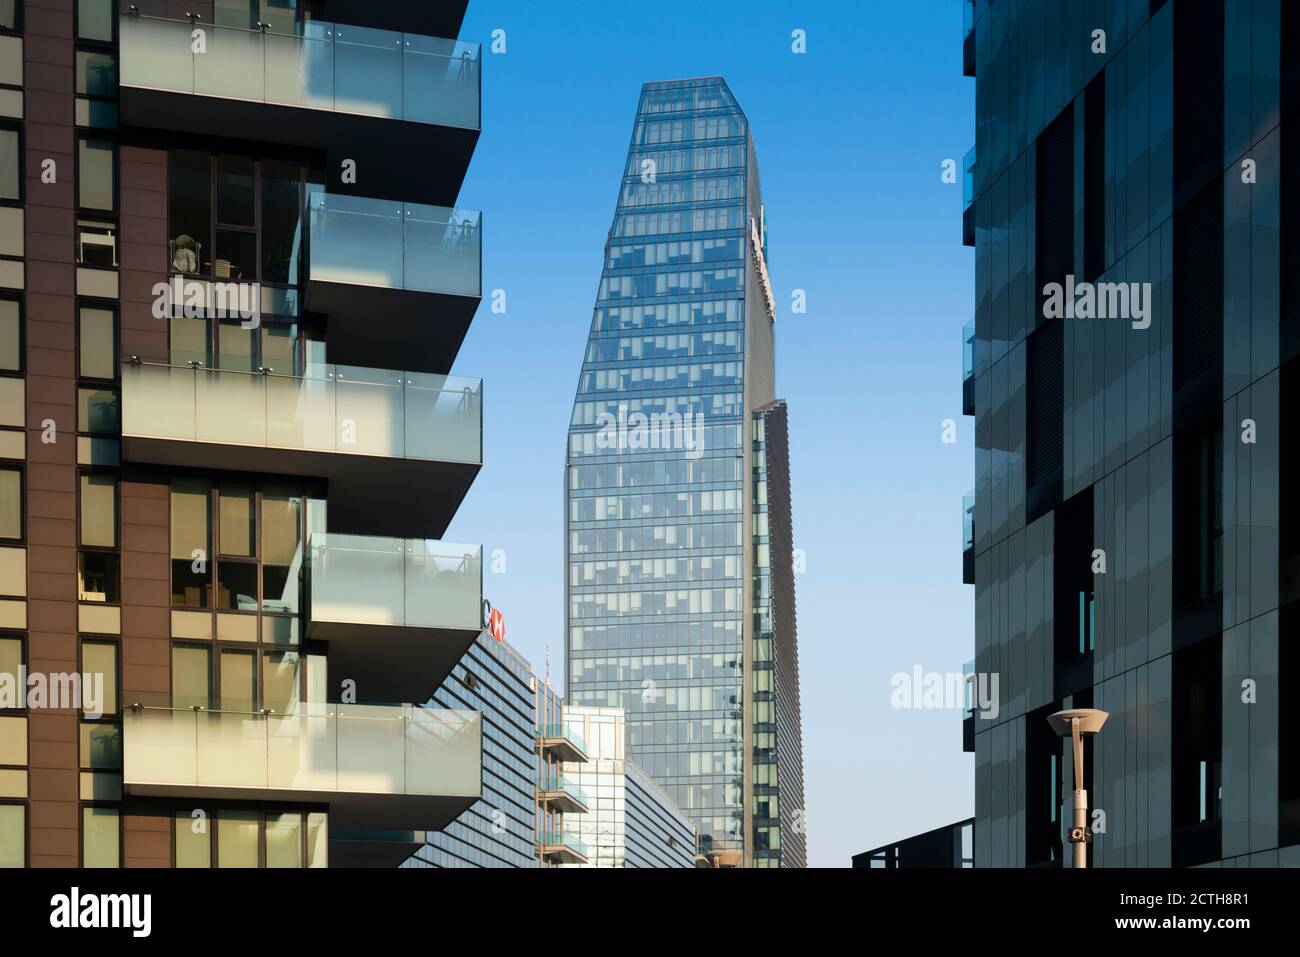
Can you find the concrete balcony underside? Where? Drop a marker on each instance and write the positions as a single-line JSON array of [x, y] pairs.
[[366, 493], [346, 809], [375, 326], [442, 18], [380, 147]]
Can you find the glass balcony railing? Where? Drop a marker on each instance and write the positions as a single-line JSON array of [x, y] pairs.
[[316, 749], [342, 409], [563, 786], [967, 17], [968, 521], [567, 839], [968, 350], [418, 583], [968, 178], [561, 732], [336, 67], [359, 241]]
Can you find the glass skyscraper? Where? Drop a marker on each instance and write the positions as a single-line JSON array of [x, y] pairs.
[[661, 526]]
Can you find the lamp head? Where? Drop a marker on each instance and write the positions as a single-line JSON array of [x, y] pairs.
[[1090, 721]]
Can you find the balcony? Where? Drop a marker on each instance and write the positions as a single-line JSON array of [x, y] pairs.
[[562, 796], [400, 282], [398, 613], [968, 38], [375, 97], [968, 369], [968, 197], [398, 449], [968, 538], [567, 745], [390, 767], [561, 847]]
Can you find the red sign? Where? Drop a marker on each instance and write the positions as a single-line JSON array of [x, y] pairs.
[[497, 625]]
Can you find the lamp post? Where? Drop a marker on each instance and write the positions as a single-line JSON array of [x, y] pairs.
[[1076, 724]]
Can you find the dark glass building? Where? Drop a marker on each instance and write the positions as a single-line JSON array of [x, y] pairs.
[[680, 597], [1133, 548], [948, 846]]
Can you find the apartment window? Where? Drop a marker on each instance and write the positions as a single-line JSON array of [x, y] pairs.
[[96, 19], [96, 73], [96, 85], [189, 342], [1042, 790], [11, 660], [11, 335], [191, 676], [13, 835], [96, 243], [281, 548], [100, 658], [242, 838], [238, 680], [280, 681], [96, 172], [98, 510], [191, 544], [98, 412], [99, 577], [100, 837], [101, 746], [11, 502], [284, 840], [193, 841], [11, 164], [11, 14], [96, 343], [235, 217], [237, 838], [13, 831], [189, 204]]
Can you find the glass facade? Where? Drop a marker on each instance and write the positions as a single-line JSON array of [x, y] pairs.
[[658, 496], [1130, 538], [630, 821], [498, 830]]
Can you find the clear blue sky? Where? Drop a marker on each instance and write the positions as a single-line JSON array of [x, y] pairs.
[[851, 136]]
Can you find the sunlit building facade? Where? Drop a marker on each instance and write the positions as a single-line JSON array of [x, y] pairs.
[[660, 467]]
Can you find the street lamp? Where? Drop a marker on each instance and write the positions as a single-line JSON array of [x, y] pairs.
[[1078, 723]]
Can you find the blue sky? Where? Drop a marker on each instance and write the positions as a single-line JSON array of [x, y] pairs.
[[851, 136]]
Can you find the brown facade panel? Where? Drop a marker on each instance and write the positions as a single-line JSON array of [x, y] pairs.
[[147, 840], [146, 592], [51, 394], [143, 256]]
